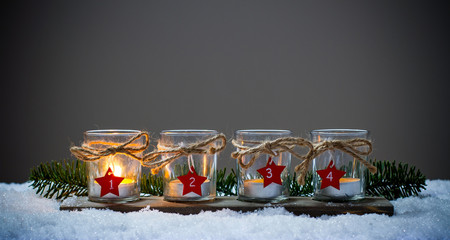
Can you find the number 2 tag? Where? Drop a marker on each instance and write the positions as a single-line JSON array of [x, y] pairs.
[[192, 182], [192, 179]]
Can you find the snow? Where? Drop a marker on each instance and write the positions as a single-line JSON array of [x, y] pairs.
[[25, 215]]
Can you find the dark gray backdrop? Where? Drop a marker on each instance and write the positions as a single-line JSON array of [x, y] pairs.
[[225, 65]]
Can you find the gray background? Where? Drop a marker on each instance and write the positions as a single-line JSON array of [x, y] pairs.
[[225, 65]]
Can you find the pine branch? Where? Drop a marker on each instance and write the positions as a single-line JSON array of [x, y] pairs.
[[394, 181], [60, 180], [226, 186], [306, 190], [151, 184]]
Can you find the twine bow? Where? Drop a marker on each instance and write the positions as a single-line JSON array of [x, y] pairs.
[[89, 154], [151, 159], [348, 146], [273, 148]]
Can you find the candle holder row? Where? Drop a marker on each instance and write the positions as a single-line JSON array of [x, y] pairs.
[[115, 157]]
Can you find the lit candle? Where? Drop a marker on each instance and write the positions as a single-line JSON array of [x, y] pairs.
[[255, 189], [113, 184], [127, 188], [176, 190], [113, 172], [348, 187]]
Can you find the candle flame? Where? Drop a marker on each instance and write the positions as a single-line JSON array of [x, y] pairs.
[[117, 170]]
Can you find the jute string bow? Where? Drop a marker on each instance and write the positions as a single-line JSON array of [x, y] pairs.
[[89, 154], [273, 148], [348, 146], [152, 161]]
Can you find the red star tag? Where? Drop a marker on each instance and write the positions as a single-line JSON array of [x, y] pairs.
[[109, 183], [192, 182], [271, 173], [330, 176]]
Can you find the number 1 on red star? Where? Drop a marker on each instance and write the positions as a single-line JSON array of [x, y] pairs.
[[109, 183]]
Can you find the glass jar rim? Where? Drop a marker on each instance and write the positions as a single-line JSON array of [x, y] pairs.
[[337, 131], [262, 131], [111, 132], [188, 132]]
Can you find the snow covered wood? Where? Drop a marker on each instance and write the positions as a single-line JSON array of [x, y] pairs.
[[295, 205]]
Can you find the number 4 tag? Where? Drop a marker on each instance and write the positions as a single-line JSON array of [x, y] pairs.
[[330, 176]]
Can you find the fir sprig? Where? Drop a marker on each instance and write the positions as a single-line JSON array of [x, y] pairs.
[[226, 184], [60, 180], [152, 184], [302, 190], [394, 181]]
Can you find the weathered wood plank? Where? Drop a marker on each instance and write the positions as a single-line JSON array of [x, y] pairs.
[[295, 205]]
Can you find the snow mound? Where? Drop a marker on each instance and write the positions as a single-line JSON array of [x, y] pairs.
[[25, 215]]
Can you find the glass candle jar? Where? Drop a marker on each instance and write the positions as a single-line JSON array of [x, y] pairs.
[[337, 176], [114, 178], [267, 180], [192, 177]]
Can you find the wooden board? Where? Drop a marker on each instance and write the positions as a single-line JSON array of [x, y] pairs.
[[295, 205]]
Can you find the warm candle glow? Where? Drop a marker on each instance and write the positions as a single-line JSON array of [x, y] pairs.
[[114, 165], [175, 189], [93, 143], [114, 176], [261, 180], [124, 181], [347, 187], [346, 180], [253, 188], [127, 181], [205, 164], [117, 170]]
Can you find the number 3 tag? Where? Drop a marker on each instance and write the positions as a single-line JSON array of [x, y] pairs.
[[271, 173]]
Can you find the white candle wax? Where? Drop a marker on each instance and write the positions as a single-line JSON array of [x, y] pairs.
[[348, 187], [255, 189], [127, 188], [176, 189]]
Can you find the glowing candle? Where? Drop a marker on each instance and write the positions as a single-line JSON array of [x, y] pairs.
[[270, 167], [113, 185], [115, 175], [338, 167], [348, 187], [254, 189], [175, 190], [127, 188], [190, 176]]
